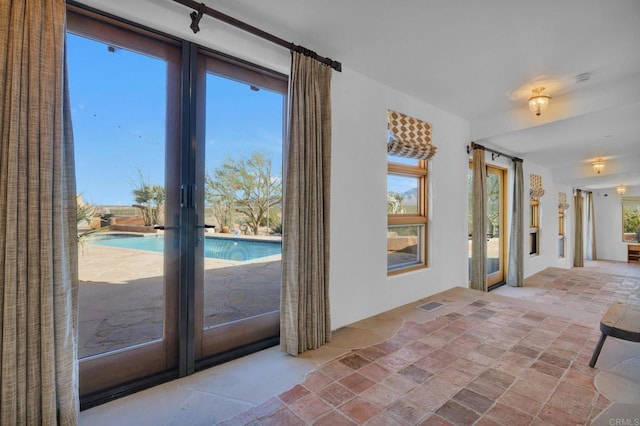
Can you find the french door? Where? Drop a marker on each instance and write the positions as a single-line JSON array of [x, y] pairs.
[[179, 178], [123, 88], [239, 188], [496, 237], [496, 219]]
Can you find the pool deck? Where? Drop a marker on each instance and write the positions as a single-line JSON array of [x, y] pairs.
[[121, 293]]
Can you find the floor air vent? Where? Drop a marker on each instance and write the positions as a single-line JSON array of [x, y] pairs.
[[431, 306]]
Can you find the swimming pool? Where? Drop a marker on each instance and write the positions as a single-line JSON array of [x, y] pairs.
[[239, 249]]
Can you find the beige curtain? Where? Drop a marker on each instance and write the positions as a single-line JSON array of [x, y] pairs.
[[38, 249], [479, 222], [578, 252], [591, 228], [515, 273], [304, 312]]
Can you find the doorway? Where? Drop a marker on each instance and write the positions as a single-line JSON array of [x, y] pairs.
[[179, 175], [496, 220]]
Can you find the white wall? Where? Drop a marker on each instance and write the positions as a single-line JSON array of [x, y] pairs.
[[359, 283], [548, 205], [608, 214]]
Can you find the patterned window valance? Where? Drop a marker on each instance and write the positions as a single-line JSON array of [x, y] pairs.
[[562, 201], [535, 186], [409, 137]]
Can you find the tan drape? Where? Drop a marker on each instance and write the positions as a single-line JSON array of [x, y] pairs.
[[591, 228], [515, 273], [304, 313], [38, 249], [578, 251], [479, 222]]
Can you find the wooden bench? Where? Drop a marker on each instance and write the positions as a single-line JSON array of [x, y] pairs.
[[621, 321]]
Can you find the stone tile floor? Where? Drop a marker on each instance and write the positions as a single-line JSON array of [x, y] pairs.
[[488, 363], [509, 357]]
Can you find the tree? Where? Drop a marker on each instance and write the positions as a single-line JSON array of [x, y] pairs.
[[149, 199], [394, 203], [246, 184], [493, 205], [220, 193], [631, 220], [84, 212]]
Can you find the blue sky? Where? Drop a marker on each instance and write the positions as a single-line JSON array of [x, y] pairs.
[[118, 103]]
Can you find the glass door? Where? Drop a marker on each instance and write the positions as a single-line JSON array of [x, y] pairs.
[[179, 175], [124, 88], [495, 235], [495, 225], [239, 198]]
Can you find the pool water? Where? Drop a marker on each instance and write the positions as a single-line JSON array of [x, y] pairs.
[[216, 248]]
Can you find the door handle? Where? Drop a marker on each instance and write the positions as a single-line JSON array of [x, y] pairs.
[[204, 226], [165, 228]]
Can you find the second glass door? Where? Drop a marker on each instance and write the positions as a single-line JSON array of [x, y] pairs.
[[239, 191]]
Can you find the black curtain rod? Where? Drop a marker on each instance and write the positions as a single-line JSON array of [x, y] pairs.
[[203, 9], [494, 153]]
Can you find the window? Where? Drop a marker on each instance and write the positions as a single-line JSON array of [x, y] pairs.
[[409, 149], [407, 217], [535, 193], [560, 233], [631, 219], [562, 206], [534, 224]]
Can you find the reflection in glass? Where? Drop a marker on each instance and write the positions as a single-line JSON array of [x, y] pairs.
[[403, 246]]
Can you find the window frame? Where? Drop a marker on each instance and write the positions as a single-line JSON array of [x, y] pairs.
[[420, 172], [628, 239], [561, 234], [534, 226]]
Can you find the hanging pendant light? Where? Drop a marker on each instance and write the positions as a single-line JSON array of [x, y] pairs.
[[598, 166], [539, 101]]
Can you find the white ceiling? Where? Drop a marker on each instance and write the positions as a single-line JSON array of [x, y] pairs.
[[480, 60]]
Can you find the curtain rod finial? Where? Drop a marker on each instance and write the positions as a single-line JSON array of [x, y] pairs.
[[196, 17]]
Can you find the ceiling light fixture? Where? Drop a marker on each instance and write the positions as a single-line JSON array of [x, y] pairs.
[[598, 166], [539, 101], [621, 189]]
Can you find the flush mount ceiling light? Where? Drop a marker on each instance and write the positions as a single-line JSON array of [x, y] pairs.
[[539, 101], [621, 189], [598, 166]]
